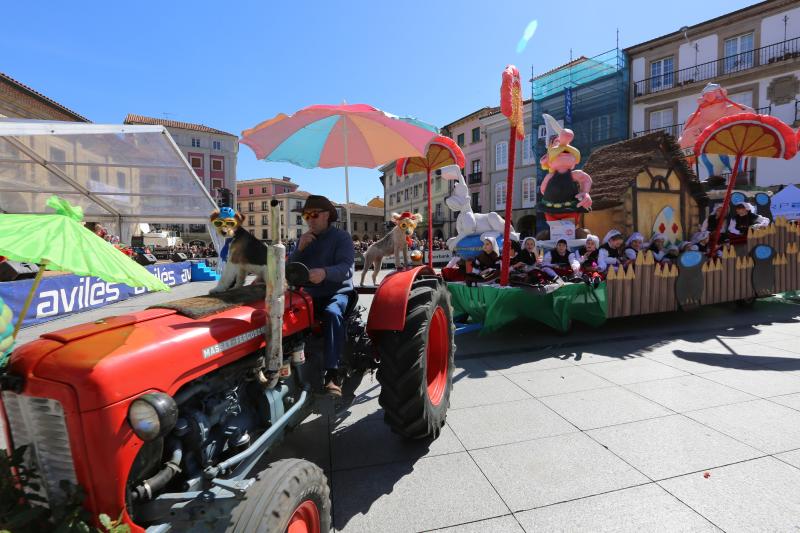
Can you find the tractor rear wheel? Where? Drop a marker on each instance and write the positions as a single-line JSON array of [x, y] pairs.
[[416, 364], [290, 495]]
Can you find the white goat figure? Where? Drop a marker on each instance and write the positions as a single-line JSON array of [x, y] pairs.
[[469, 223]]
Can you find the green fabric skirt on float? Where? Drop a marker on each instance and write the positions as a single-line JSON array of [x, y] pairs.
[[495, 306]]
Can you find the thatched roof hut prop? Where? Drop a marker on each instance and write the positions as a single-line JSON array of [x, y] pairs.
[[644, 184]]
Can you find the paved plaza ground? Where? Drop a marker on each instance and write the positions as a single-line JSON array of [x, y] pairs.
[[672, 422]]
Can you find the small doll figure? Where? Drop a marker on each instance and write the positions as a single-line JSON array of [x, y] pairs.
[[587, 258], [486, 263], [527, 256], [557, 262], [699, 243], [745, 217], [611, 252], [658, 247], [633, 246]]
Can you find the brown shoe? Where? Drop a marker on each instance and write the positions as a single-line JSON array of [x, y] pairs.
[[332, 389], [332, 384]]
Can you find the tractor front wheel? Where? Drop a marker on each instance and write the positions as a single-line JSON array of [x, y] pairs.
[[290, 495], [416, 364]]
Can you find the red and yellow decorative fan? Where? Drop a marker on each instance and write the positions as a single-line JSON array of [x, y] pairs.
[[441, 152], [745, 135]]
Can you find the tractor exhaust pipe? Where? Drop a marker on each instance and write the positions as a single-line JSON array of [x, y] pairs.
[[274, 298]]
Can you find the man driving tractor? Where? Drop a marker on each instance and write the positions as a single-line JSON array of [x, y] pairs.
[[328, 253]]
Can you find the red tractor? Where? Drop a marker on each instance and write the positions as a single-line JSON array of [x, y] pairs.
[[165, 416]]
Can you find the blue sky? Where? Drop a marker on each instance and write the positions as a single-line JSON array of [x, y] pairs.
[[233, 64]]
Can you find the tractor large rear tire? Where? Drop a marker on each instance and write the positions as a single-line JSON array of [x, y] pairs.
[[289, 492], [416, 364]]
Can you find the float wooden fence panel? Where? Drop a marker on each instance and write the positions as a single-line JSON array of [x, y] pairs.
[[646, 287]]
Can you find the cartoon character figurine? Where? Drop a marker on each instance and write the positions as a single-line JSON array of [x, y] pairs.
[[565, 191], [469, 222]]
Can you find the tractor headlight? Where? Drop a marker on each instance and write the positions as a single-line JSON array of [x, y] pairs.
[[152, 415]]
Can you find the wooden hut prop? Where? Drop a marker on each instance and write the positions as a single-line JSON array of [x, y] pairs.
[[644, 184]]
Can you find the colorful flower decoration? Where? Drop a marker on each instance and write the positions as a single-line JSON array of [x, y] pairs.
[[511, 100]]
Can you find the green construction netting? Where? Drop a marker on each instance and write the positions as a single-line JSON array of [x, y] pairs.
[[497, 306]]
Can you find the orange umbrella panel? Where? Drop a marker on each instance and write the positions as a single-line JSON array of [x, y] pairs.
[[441, 152], [748, 135]]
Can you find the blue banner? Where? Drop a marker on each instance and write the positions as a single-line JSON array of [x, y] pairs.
[[62, 295], [568, 107]]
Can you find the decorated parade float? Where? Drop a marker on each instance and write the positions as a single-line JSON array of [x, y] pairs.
[[646, 186]]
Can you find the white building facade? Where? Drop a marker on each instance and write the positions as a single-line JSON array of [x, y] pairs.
[[409, 193], [754, 53], [524, 195]]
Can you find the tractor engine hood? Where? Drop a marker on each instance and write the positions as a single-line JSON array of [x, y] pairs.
[[158, 349]]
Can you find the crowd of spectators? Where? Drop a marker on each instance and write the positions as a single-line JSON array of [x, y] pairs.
[[416, 244]]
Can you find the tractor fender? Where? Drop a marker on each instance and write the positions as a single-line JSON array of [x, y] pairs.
[[388, 309]]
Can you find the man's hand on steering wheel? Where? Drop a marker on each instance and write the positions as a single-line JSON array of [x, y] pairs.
[[317, 275]]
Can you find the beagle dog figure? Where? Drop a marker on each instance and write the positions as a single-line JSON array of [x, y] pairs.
[[243, 252]]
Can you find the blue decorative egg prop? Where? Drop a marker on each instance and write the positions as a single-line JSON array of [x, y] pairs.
[[470, 246], [738, 198]]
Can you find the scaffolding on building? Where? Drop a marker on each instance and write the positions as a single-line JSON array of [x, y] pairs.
[[588, 95]]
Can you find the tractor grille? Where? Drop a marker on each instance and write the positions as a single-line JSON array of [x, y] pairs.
[[39, 423]]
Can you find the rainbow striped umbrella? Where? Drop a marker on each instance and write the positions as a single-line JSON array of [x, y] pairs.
[[329, 136]]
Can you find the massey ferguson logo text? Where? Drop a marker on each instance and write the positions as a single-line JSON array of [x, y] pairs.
[[230, 343]]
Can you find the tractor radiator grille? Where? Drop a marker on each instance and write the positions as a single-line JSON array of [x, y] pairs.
[[39, 423]]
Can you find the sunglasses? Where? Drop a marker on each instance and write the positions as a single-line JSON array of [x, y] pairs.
[[218, 223], [312, 214]]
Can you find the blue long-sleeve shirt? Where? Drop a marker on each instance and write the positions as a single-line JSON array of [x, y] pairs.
[[333, 251]]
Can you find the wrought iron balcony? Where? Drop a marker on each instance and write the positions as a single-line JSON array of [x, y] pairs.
[[673, 129], [743, 177], [767, 110], [766, 55], [475, 177]]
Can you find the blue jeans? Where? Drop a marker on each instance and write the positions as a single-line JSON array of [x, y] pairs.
[[333, 326]]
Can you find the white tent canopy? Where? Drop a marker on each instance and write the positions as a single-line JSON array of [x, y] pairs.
[[120, 175]]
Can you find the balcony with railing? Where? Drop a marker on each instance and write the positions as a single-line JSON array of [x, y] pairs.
[[796, 111], [475, 177], [439, 218], [766, 55], [767, 110], [744, 178], [673, 129]]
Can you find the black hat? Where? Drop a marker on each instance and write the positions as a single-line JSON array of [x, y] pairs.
[[315, 201]]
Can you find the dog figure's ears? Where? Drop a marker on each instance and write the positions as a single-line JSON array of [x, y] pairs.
[[214, 215], [395, 217], [417, 217], [239, 218]]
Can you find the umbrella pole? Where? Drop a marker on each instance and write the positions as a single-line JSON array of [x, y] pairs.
[[505, 259], [430, 223], [28, 301], [725, 203], [346, 176]]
